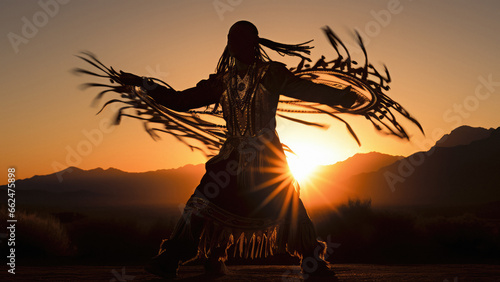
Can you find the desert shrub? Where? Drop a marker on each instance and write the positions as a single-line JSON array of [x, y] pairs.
[[351, 225], [396, 236], [460, 237], [40, 235], [104, 239]]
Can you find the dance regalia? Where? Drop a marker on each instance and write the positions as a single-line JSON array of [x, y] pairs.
[[248, 196]]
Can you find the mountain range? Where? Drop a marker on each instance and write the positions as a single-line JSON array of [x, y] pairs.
[[460, 169]]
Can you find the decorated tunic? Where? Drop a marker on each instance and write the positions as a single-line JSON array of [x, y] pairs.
[[248, 194]]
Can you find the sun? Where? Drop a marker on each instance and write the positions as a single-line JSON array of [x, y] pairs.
[[307, 158], [301, 168], [312, 149]]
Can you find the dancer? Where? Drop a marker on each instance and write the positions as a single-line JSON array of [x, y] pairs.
[[247, 197]]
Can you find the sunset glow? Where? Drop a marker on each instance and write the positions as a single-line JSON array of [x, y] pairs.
[[301, 168], [70, 134], [271, 140], [309, 153]]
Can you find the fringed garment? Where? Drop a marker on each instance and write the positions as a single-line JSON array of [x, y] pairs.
[[247, 196]]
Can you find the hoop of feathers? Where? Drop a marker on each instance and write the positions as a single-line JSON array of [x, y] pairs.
[[205, 130]]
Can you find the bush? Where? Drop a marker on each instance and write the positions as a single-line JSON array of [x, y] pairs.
[[40, 235], [384, 236]]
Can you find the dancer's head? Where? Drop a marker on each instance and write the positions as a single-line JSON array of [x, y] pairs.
[[245, 45], [243, 41]]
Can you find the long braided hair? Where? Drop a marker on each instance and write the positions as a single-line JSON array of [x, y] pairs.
[[226, 61]]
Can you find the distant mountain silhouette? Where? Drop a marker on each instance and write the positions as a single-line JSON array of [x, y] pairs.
[[99, 187], [359, 163], [463, 135], [326, 186], [459, 175], [461, 169]]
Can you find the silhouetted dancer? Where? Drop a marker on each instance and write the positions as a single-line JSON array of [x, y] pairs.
[[248, 197]]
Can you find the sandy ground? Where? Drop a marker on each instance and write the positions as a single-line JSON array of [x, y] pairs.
[[344, 272]]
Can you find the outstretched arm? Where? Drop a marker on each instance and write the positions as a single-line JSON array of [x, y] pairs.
[[205, 93], [288, 84]]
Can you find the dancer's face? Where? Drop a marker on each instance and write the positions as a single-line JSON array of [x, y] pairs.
[[242, 42]]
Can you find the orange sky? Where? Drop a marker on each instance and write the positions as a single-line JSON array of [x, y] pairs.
[[439, 53]]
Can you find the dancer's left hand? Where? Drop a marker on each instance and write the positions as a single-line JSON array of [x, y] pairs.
[[130, 79]]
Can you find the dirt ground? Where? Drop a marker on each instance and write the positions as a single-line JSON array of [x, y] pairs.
[[344, 272]]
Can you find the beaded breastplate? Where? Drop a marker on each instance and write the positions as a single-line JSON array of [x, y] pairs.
[[238, 100]]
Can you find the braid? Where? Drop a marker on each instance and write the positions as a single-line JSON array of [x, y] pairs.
[[225, 61], [299, 50]]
